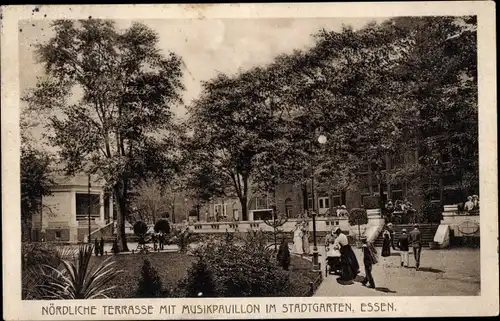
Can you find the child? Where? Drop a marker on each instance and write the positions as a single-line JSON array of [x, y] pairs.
[[369, 259]]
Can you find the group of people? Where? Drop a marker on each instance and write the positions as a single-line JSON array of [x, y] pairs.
[[472, 204], [349, 266], [301, 238], [159, 240], [405, 240]]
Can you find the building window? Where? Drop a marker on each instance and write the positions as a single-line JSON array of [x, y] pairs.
[[58, 234], [397, 192], [310, 203], [324, 202], [82, 206], [288, 208], [220, 210], [236, 214], [261, 203]]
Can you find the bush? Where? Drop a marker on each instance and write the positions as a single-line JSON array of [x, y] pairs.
[[140, 228], [37, 254], [199, 281], [358, 216], [162, 225], [150, 285], [371, 202], [247, 270], [432, 212]]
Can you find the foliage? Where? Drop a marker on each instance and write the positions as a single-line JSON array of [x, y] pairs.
[[80, 280], [198, 281], [140, 228], [37, 254], [358, 216], [150, 285], [36, 182], [432, 212], [125, 88], [181, 237], [151, 202], [371, 202], [243, 270], [162, 225]]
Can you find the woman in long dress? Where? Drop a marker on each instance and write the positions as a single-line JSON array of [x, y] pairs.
[[297, 240], [305, 241], [386, 245], [350, 265]]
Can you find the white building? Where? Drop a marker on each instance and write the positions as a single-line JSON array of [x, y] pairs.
[[65, 213]]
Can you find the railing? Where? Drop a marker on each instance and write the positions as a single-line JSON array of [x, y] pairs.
[[313, 285]]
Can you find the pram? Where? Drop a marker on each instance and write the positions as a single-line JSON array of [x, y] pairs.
[[333, 262]]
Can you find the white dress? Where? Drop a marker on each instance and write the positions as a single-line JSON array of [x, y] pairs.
[[297, 241]]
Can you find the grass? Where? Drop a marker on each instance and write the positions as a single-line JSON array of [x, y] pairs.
[[172, 267]]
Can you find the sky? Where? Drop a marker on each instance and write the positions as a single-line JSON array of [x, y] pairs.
[[207, 46]]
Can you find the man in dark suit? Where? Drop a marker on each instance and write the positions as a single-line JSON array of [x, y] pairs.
[[404, 244], [416, 242]]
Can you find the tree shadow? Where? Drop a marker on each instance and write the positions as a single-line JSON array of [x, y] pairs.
[[385, 290], [431, 270], [343, 282]]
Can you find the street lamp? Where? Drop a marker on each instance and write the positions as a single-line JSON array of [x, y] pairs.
[[316, 266]]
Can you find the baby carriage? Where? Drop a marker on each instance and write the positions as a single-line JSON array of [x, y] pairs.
[[333, 262]]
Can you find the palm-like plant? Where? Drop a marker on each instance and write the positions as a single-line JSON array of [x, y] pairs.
[[80, 280]]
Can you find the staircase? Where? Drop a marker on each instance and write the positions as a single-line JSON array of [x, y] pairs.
[[427, 231]]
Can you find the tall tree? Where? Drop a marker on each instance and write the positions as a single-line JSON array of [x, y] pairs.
[[110, 92]]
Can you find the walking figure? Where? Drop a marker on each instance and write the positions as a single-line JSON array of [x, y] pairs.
[[416, 242], [162, 241], [403, 245], [369, 259]]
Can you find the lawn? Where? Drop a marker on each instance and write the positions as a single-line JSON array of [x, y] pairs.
[[172, 267]]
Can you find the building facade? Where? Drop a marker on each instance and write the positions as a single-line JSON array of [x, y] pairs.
[[65, 214]]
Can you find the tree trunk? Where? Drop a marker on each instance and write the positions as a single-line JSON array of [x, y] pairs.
[[244, 208], [120, 221]]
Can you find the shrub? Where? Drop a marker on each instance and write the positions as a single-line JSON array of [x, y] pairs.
[[358, 216], [140, 228], [432, 212], [371, 202], [199, 280], [150, 285], [38, 254], [247, 270], [162, 225]]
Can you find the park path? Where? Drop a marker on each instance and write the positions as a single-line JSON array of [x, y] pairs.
[[450, 272]]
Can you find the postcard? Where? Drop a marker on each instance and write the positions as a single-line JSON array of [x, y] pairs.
[[213, 161]]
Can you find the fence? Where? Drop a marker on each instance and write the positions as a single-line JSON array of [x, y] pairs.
[[313, 285]]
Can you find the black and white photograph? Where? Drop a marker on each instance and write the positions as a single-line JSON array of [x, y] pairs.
[[256, 157]]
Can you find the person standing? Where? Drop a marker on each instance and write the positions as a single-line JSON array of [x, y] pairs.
[[101, 246], [298, 240], [404, 247], [350, 265], [386, 244], [391, 234], [96, 247], [305, 238], [416, 242], [469, 205], [161, 241], [369, 259]]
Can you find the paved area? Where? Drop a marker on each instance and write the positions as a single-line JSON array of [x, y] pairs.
[[451, 272]]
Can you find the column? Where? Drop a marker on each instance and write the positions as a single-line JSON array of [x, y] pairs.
[[101, 208], [73, 223]]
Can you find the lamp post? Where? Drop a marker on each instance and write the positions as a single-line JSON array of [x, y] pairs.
[[88, 208], [315, 262]]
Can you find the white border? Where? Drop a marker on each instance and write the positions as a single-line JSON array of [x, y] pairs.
[[483, 305]]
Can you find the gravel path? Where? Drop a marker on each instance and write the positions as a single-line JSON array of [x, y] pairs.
[[451, 272]]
